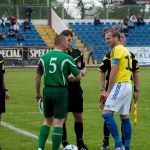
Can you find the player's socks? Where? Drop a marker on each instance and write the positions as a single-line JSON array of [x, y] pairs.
[[43, 135], [78, 127], [64, 136], [127, 130], [111, 124], [123, 142], [56, 138], [106, 133]]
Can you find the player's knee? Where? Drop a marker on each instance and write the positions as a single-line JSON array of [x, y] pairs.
[[48, 122], [124, 116], [58, 122], [78, 117]]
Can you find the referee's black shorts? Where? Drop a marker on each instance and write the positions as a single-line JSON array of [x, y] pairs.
[[2, 103], [75, 103]]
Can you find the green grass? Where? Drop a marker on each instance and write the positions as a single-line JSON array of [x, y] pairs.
[[23, 113]]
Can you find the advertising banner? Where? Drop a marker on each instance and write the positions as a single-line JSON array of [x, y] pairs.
[[35, 53], [142, 53], [12, 53]]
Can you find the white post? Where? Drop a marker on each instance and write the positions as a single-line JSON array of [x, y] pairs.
[[47, 2]]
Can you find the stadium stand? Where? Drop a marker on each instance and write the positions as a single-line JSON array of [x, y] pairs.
[[89, 34], [47, 33], [31, 38]]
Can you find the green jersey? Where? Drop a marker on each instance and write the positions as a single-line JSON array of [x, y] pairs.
[[56, 66]]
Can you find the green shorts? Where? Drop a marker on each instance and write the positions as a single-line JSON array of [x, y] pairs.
[[55, 102]]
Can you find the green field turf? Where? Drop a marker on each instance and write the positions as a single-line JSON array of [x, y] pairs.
[[22, 113]]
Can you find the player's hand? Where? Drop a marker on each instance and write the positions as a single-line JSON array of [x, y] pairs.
[[71, 78], [38, 97], [7, 95], [106, 95], [83, 71], [135, 96], [102, 97]]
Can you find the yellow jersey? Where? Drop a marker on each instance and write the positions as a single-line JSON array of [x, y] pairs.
[[124, 72]]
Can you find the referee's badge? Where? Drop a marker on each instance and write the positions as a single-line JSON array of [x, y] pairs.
[[79, 64]]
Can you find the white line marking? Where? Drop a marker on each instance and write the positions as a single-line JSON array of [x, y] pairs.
[[86, 110], [21, 131]]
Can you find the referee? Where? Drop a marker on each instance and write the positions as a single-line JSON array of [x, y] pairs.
[[3, 90], [75, 96]]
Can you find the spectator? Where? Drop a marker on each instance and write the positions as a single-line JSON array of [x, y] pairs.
[[140, 20], [133, 19], [26, 24], [19, 38], [4, 20], [29, 12], [97, 21], [12, 20], [16, 27], [2, 36], [11, 32], [125, 26], [131, 24], [90, 53]]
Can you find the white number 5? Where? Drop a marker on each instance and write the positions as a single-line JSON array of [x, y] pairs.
[[52, 63]]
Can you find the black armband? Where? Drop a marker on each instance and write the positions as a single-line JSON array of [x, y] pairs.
[[5, 90]]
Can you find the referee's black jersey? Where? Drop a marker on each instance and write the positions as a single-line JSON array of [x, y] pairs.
[[105, 65], [78, 58], [2, 71]]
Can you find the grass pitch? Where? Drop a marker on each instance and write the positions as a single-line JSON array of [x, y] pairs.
[[23, 114]]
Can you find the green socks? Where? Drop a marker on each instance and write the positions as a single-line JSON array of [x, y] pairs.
[[56, 138], [43, 135]]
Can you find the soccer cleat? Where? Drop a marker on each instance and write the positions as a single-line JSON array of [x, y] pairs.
[[119, 148], [105, 146], [82, 147], [65, 143]]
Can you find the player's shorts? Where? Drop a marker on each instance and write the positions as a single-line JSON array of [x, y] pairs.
[[75, 103], [2, 103], [55, 102], [120, 98]]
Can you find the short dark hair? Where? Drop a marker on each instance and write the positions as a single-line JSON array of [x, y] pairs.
[[67, 33], [59, 39]]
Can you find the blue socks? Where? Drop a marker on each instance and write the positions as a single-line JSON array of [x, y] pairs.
[[127, 131], [112, 126]]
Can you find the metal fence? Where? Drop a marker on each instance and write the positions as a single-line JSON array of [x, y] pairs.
[[38, 12], [104, 12]]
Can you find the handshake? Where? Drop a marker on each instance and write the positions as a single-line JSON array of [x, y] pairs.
[[83, 72]]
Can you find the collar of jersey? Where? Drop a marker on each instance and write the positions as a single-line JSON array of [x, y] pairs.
[[57, 50]]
